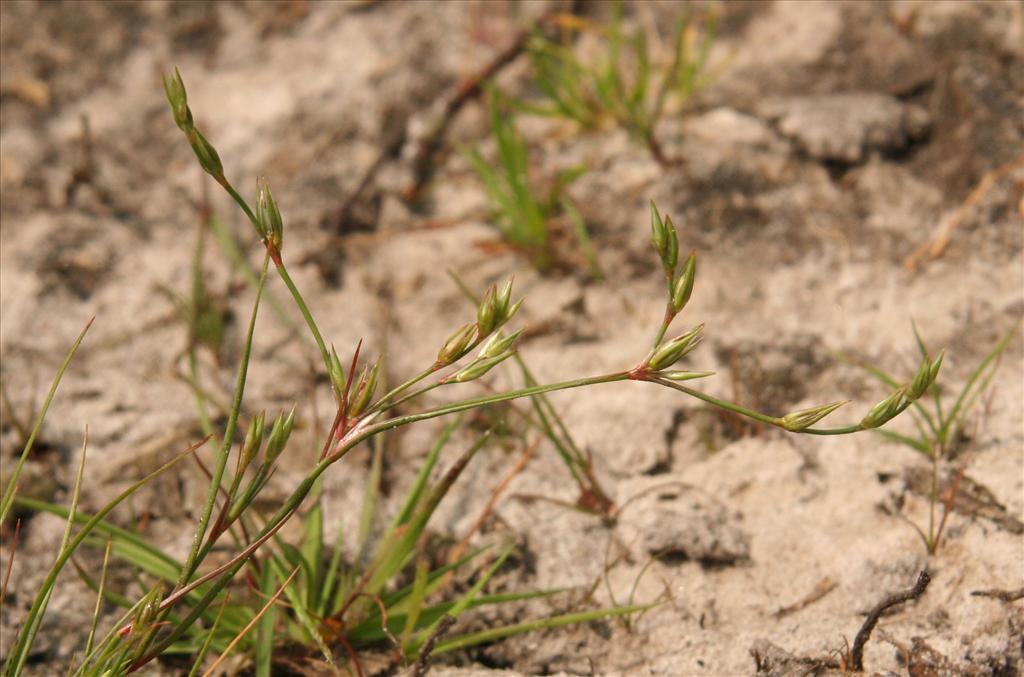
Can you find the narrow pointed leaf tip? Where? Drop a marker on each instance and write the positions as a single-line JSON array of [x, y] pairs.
[[805, 418]]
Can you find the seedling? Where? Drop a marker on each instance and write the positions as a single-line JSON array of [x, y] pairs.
[[622, 84], [526, 220], [196, 596], [940, 429]]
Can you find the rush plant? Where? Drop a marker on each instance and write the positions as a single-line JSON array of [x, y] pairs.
[[940, 426], [527, 214], [198, 597], [621, 84]]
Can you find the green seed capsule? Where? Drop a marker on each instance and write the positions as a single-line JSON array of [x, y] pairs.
[[805, 418]]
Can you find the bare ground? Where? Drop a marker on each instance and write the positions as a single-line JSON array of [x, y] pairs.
[[834, 145]]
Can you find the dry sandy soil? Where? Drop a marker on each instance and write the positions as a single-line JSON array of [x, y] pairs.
[[833, 142]]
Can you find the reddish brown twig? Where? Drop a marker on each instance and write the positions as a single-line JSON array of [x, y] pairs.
[[423, 160], [856, 662]]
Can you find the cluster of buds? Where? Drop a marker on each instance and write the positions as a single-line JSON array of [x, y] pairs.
[[493, 352], [905, 395], [174, 87], [880, 414], [280, 431], [145, 623], [666, 243], [494, 311], [277, 440]]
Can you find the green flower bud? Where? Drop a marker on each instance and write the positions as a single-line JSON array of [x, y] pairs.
[[457, 344], [253, 440], [925, 377], [486, 313], [176, 96], [337, 374], [207, 155], [670, 257], [683, 287], [498, 344], [805, 418], [279, 434], [503, 298], [882, 412], [673, 351], [477, 368], [657, 230], [268, 216], [367, 384]]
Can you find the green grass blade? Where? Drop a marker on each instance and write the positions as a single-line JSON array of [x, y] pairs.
[[368, 512], [416, 599], [370, 631], [127, 545], [975, 375], [494, 634], [197, 550], [99, 599], [12, 483], [918, 444], [264, 645], [583, 235], [205, 647], [35, 620], [331, 577], [464, 602], [412, 499], [23, 644], [312, 553]]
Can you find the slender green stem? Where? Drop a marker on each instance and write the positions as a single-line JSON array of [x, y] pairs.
[[12, 484], [205, 422], [933, 496], [749, 413], [308, 316], [416, 393], [241, 202], [219, 578], [192, 562], [193, 330], [456, 407], [283, 273], [382, 403], [230, 249], [669, 316]]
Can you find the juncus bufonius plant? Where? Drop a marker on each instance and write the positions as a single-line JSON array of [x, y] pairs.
[[185, 596]]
